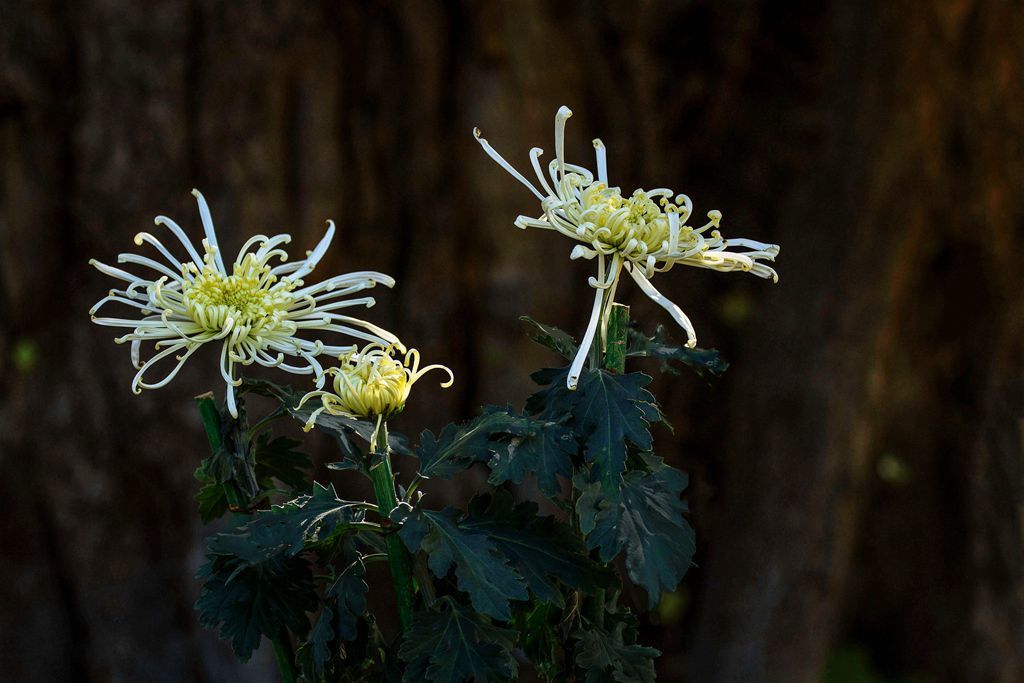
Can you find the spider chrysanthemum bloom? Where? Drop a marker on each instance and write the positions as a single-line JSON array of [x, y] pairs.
[[371, 383], [643, 233], [256, 311]]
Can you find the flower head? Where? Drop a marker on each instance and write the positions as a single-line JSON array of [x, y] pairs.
[[258, 312], [372, 383], [643, 233]]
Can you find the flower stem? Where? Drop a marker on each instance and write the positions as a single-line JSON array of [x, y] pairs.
[[285, 657], [211, 423], [618, 335], [398, 557], [614, 361]]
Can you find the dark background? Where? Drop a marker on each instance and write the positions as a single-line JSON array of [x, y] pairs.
[[857, 475]]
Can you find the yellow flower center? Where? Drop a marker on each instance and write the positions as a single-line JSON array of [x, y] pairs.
[[251, 298], [635, 225]]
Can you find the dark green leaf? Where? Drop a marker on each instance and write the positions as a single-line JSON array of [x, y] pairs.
[[316, 653], [453, 644], [607, 411], [227, 476], [457, 447], [646, 521], [546, 451], [278, 459], [248, 602], [287, 529], [540, 639], [211, 499], [661, 347], [549, 336], [610, 654], [349, 595], [345, 604], [481, 569], [542, 549], [553, 402]]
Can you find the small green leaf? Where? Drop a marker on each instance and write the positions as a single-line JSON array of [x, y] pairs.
[[458, 447], [453, 644], [646, 521], [661, 347], [481, 569], [546, 451], [248, 602], [315, 654], [211, 499], [610, 654], [553, 338], [541, 640]]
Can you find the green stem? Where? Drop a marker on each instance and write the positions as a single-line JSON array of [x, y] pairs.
[[614, 361], [236, 502], [383, 479], [618, 335], [285, 657]]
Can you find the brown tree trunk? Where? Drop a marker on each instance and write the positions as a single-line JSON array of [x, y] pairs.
[[874, 488]]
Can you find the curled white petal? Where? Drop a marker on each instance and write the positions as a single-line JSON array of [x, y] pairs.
[[663, 301]]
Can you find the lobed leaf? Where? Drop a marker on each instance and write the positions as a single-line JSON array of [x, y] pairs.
[[248, 602], [661, 347], [345, 605], [481, 569], [542, 549], [609, 410], [610, 653], [457, 447], [286, 530], [553, 338], [645, 520], [545, 451], [452, 644], [278, 459]]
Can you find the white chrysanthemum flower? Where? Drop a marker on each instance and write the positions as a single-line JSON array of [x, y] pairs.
[[259, 313], [645, 233], [372, 383]]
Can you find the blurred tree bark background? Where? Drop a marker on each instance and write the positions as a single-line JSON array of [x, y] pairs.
[[858, 476]]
